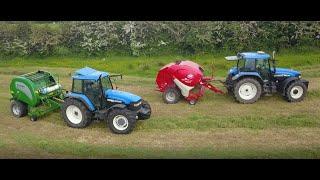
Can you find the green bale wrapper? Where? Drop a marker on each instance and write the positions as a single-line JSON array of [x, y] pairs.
[[39, 91]]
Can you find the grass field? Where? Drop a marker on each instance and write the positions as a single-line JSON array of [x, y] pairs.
[[217, 127]]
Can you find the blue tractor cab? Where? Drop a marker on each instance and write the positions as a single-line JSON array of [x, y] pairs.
[[93, 96], [255, 74]]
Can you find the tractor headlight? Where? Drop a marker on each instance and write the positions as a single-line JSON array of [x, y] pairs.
[[299, 76]]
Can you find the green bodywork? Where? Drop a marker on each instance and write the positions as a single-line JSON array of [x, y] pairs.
[[32, 89]]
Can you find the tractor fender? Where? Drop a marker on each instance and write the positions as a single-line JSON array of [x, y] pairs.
[[285, 83], [242, 75], [82, 98], [119, 106]]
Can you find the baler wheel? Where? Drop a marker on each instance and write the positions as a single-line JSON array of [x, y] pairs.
[[193, 102], [33, 118], [171, 95], [18, 108]]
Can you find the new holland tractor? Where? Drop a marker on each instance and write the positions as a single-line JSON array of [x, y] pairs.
[[256, 74], [92, 97]]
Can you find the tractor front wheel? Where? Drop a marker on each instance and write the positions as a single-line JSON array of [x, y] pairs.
[[74, 113], [296, 91], [171, 95], [18, 108], [121, 121], [247, 90]]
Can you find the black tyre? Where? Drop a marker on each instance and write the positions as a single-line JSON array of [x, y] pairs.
[[296, 91], [247, 90], [33, 118], [145, 111], [18, 108], [171, 95], [75, 113], [121, 121]]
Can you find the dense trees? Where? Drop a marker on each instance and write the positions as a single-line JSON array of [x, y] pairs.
[[152, 38]]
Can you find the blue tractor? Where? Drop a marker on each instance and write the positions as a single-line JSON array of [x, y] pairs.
[[256, 75], [93, 97]]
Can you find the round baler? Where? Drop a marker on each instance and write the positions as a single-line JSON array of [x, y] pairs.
[[183, 78], [35, 94]]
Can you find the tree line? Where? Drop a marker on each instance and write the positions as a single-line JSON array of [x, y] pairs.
[[138, 38]]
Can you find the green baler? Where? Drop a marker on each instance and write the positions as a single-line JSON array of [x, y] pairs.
[[35, 94]]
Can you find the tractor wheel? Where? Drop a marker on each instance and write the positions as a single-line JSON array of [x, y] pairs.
[[147, 108], [247, 90], [295, 92], [74, 113], [121, 121], [18, 108], [171, 95]]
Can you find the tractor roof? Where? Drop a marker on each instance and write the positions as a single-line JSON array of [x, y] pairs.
[[254, 55], [89, 73]]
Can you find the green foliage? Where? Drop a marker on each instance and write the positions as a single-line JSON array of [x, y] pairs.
[[145, 38]]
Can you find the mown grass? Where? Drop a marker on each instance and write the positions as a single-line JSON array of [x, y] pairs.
[[204, 122], [70, 149], [148, 66], [213, 113]]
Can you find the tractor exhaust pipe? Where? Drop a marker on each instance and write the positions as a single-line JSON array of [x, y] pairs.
[[273, 53]]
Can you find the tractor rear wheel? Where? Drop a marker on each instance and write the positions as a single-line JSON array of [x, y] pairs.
[[247, 90], [147, 108], [171, 95], [121, 121], [18, 108], [296, 91], [74, 113]]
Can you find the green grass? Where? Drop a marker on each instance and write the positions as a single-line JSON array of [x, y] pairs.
[[75, 149], [217, 127], [203, 122], [148, 66]]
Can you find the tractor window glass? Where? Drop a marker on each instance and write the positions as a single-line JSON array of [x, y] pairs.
[[106, 83], [262, 64], [262, 67], [91, 86], [246, 65], [77, 86]]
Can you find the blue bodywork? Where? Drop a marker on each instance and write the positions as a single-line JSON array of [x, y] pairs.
[[254, 55], [88, 73], [251, 56], [287, 72], [125, 97], [83, 98]]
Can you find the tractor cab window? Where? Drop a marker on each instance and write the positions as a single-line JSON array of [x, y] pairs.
[[262, 67], [91, 88], [246, 65], [106, 83], [77, 86]]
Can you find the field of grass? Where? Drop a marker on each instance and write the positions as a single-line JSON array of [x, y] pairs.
[[216, 127]]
